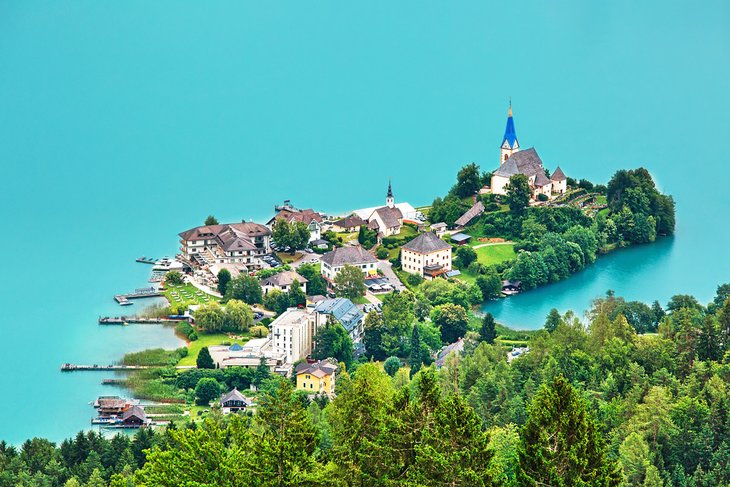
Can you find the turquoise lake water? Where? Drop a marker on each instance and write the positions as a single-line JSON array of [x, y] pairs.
[[122, 124]]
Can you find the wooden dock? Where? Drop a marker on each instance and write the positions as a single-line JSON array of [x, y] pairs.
[[113, 382], [122, 368], [145, 292], [124, 320]]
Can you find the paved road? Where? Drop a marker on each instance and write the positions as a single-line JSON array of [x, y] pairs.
[[387, 269]]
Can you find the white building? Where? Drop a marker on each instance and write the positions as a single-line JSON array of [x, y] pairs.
[[389, 218], [513, 161], [233, 243], [333, 261], [426, 255], [249, 356], [292, 334]]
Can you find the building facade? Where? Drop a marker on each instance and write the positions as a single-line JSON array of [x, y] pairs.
[[232, 243], [343, 311], [317, 378], [333, 261], [292, 334], [426, 255]]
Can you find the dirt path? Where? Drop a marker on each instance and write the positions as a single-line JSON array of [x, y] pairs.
[[492, 244]]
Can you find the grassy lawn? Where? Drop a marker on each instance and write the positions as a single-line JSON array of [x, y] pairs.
[[494, 254], [187, 293], [206, 340], [381, 296], [360, 300], [467, 276], [347, 236]]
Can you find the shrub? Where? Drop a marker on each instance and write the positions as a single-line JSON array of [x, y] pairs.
[[392, 365], [414, 279], [382, 253], [206, 390], [259, 331], [174, 277], [542, 197]]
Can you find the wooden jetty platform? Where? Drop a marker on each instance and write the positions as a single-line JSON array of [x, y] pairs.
[[146, 260], [124, 320], [73, 367], [145, 292], [113, 382]]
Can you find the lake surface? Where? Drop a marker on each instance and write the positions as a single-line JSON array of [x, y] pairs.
[[122, 124]]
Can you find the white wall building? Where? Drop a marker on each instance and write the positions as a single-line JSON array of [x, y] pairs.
[[333, 261], [292, 334], [234, 243], [426, 255]]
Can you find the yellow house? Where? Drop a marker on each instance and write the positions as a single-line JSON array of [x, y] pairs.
[[316, 378]]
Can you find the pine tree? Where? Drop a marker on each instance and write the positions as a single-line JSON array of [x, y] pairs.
[[262, 372], [415, 360], [204, 360], [708, 342], [561, 444], [487, 332], [553, 320]]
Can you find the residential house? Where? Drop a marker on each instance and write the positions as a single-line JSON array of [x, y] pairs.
[[231, 243], [317, 378], [311, 218], [456, 347], [343, 311], [333, 261], [283, 281], [439, 229], [348, 224], [426, 255], [234, 401]]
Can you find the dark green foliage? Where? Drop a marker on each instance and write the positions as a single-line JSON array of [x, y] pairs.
[[488, 332], [468, 181], [381, 253], [317, 284], [206, 390], [490, 284], [333, 341], [464, 256], [204, 360], [392, 365], [561, 443], [174, 277], [452, 319], [553, 320], [224, 277], [518, 193], [211, 220], [415, 359], [245, 288], [294, 235], [367, 238], [447, 210]]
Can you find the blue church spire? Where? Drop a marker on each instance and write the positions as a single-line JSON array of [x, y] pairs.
[[510, 136]]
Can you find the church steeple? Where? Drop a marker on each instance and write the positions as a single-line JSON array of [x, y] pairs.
[[389, 200], [509, 141]]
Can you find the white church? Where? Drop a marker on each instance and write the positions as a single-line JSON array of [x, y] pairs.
[[513, 161]]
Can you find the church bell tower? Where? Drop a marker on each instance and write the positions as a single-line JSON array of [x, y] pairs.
[[389, 200], [509, 142]]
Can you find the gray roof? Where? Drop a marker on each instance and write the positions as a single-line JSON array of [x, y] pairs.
[[426, 243], [558, 175], [284, 278], [234, 395], [348, 256], [391, 216], [343, 310], [319, 369], [473, 212], [541, 180], [243, 229], [460, 237], [525, 162], [457, 346], [350, 222]]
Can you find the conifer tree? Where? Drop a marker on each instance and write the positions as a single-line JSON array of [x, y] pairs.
[[415, 360], [204, 360], [487, 332], [561, 444]]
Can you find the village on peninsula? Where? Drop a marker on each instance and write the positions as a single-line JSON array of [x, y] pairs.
[[305, 295]]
